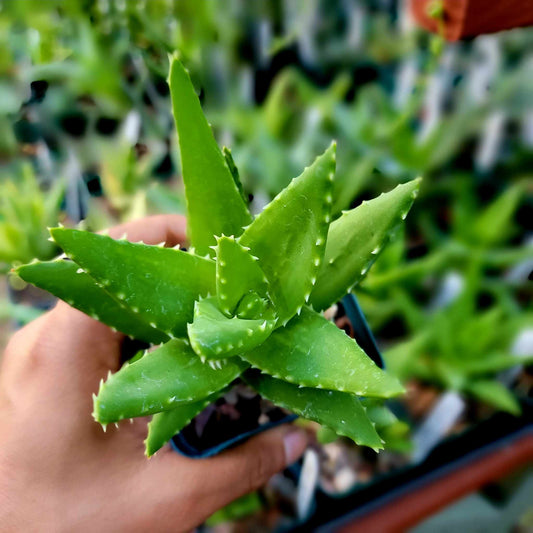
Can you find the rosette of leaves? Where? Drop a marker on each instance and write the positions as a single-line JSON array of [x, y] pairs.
[[465, 350], [25, 213], [244, 300]]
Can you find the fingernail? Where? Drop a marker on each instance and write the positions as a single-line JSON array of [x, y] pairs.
[[295, 442]]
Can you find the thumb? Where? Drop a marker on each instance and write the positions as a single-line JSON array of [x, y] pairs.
[[249, 466], [219, 480]]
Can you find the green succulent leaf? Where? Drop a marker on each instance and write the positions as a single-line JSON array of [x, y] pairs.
[[325, 435], [158, 284], [494, 393], [379, 413], [492, 363], [313, 352], [163, 379], [494, 224], [166, 424], [226, 152], [238, 273], [65, 280], [289, 236], [214, 203], [355, 241], [236, 510], [394, 432], [215, 336], [341, 412], [252, 306]]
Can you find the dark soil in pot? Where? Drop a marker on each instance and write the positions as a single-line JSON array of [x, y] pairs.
[[240, 412]]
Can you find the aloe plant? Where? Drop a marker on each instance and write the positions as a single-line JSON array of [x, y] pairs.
[[244, 300], [465, 351], [25, 213]]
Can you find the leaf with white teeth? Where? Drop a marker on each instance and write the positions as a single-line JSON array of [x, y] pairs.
[[313, 352], [161, 380], [214, 202], [238, 274], [215, 336], [355, 240], [159, 284], [288, 237], [61, 278], [340, 411]]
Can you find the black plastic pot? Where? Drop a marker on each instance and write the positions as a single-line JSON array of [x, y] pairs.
[[364, 338]]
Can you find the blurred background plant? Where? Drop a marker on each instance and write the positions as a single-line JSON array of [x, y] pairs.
[[84, 98], [26, 212]]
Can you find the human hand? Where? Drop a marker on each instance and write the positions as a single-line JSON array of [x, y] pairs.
[[60, 472]]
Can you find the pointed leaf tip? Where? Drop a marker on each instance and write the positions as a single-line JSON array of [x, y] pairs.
[[288, 236], [238, 274], [355, 240], [340, 411], [168, 377], [162, 283], [214, 202]]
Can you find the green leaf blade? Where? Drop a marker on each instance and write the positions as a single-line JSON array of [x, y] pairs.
[[214, 203], [355, 241], [313, 352], [215, 336], [493, 363], [62, 279], [339, 411], [289, 236], [494, 223], [165, 425], [158, 284], [496, 394], [160, 381], [238, 273]]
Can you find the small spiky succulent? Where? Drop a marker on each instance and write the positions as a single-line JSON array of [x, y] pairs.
[[244, 300], [25, 212]]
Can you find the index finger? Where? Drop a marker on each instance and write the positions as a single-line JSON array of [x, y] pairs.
[[169, 229]]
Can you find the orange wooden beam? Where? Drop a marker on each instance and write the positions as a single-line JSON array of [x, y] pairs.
[[468, 18], [408, 510]]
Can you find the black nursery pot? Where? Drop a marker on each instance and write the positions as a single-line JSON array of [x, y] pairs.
[[225, 424]]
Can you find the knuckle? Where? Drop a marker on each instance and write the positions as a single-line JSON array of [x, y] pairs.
[[16, 339], [262, 467], [25, 349]]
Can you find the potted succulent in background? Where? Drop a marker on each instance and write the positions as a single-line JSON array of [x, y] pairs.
[[244, 301], [468, 344], [26, 211], [25, 214], [469, 360], [485, 313]]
